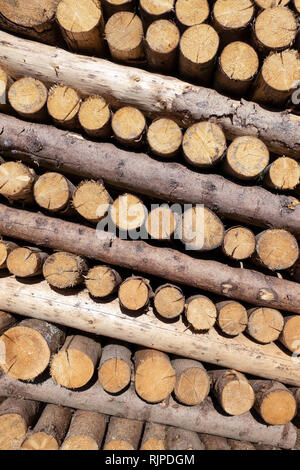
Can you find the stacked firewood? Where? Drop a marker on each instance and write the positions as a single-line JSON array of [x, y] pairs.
[[149, 226]]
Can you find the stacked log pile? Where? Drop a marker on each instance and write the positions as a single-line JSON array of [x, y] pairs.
[[149, 225]]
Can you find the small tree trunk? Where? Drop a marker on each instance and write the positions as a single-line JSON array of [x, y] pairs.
[[16, 181], [53, 192], [164, 137], [129, 125], [264, 324], [16, 416], [74, 365], [49, 431], [152, 10], [115, 368], [64, 270], [123, 434], [5, 83], [28, 97], [201, 229], [94, 117], [161, 46], [237, 67], [283, 174], [232, 317], [274, 30], [246, 158], [102, 281], [203, 144], [6, 248], [154, 437], [91, 200], [239, 243], [200, 312], [276, 249], [197, 53], [135, 293], [169, 301], [190, 13], [214, 442], [181, 439], [35, 21], [124, 36], [63, 106], [232, 19], [274, 402], [290, 335], [86, 431], [233, 391], [192, 381], [82, 25], [26, 261], [239, 445], [111, 7], [276, 80], [26, 349], [6, 321], [154, 375]]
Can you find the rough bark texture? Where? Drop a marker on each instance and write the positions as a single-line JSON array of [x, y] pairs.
[[6, 321], [86, 431], [56, 149], [154, 437], [79, 311], [181, 439], [214, 442], [154, 94], [123, 434]]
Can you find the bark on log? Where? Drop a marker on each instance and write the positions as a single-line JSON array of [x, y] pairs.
[[26, 261], [203, 418], [15, 418], [214, 442], [164, 137], [181, 439], [123, 434], [154, 437], [49, 431], [86, 431], [239, 445], [26, 348], [102, 281], [74, 365], [191, 12], [6, 321], [153, 94], [232, 19], [51, 148], [296, 393], [192, 381], [79, 311], [250, 286], [115, 366], [161, 46]]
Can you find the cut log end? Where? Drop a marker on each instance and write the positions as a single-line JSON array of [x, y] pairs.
[[169, 301], [154, 437], [200, 313], [51, 192], [234, 392], [128, 212], [16, 180], [94, 116], [154, 444], [124, 35], [154, 376], [162, 39], [29, 15], [274, 402], [25, 353], [232, 317], [275, 28], [102, 281], [91, 200], [233, 14], [13, 431], [276, 249], [164, 137], [264, 324], [128, 125], [239, 243], [5, 249], [63, 105], [40, 441], [71, 368], [161, 223], [114, 375], [290, 335], [134, 294], [192, 386], [118, 444], [283, 174], [246, 157], [156, 9], [191, 13], [25, 262], [202, 230], [63, 270], [28, 97], [203, 144], [80, 442]]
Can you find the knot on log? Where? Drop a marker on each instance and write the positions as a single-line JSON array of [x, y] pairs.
[[266, 294]]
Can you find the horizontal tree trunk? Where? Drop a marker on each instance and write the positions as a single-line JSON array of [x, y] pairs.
[[80, 312], [243, 284], [203, 418], [53, 148], [154, 94]]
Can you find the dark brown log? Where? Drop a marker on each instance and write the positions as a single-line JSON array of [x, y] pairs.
[[154, 437], [250, 286], [6, 321], [86, 431], [123, 434], [181, 439], [114, 371], [49, 431]]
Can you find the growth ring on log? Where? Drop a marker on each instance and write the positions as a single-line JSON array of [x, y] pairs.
[[232, 317], [233, 14], [169, 301], [128, 212], [202, 230], [51, 191], [203, 144], [239, 61], [134, 294], [63, 270], [200, 312], [239, 243], [264, 324], [78, 16], [13, 431], [191, 12], [94, 115], [24, 262], [128, 124], [276, 249], [276, 28], [164, 137], [247, 157], [283, 174], [101, 281], [63, 104], [124, 34], [28, 14], [27, 96], [161, 223], [16, 180], [40, 441], [91, 200]]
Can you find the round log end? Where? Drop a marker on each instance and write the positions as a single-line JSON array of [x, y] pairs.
[[157, 8], [290, 335], [28, 96], [192, 386], [29, 15], [264, 324], [154, 444], [276, 28], [239, 243], [232, 317], [51, 192], [13, 431], [161, 223], [237, 394], [201, 230], [283, 174], [72, 368], [203, 144], [63, 104], [81, 16], [201, 313], [16, 180], [94, 116], [128, 124], [40, 441], [169, 301], [124, 35], [247, 157], [134, 294], [164, 137], [278, 407], [199, 44], [191, 12], [63, 270], [91, 200], [114, 375], [80, 442], [101, 281], [276, 249], [24, 262], [128, 212], [239, 61], [233, 14]]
